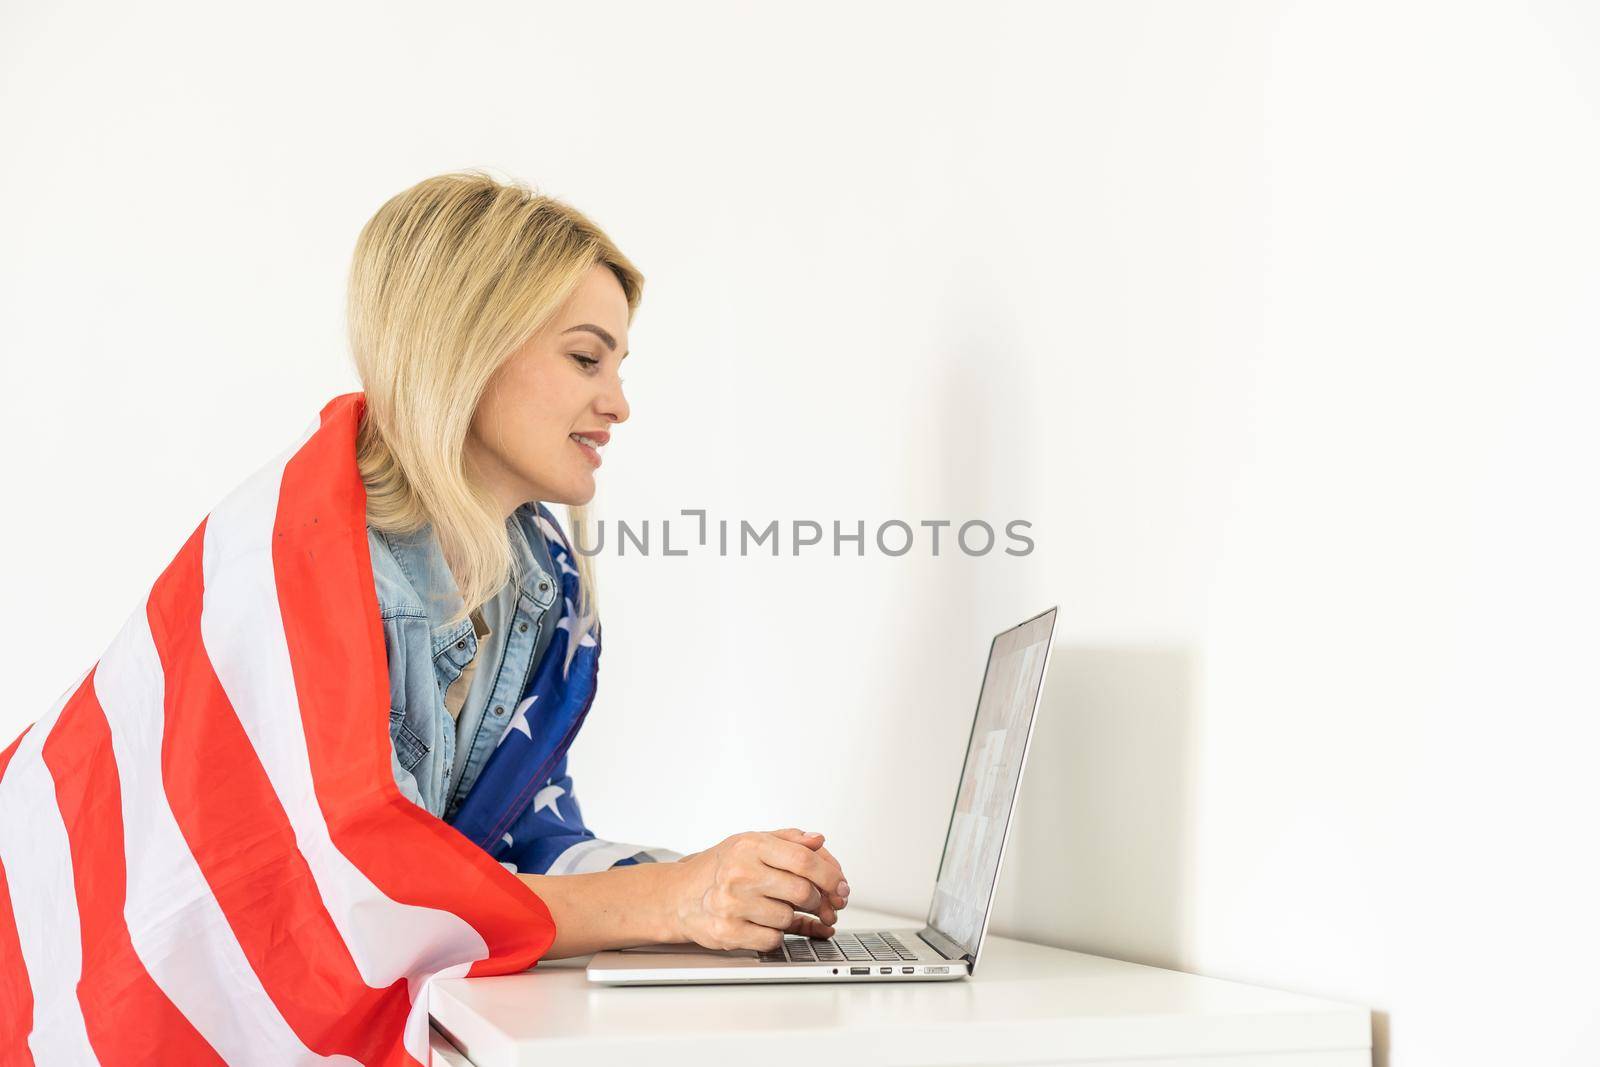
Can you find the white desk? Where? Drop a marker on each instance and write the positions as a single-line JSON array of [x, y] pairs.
[[1027, 1004]]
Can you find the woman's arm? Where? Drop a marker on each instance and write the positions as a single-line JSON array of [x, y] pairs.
[[745, 892], [617, 908]]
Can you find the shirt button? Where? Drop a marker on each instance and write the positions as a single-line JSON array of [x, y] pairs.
[[461, 644], [544, 587], [500, 709], [523, 628]]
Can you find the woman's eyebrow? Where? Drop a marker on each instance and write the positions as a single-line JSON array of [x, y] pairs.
[[611, 342]]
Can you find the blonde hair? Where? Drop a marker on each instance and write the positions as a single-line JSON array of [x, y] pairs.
[[447, 280]]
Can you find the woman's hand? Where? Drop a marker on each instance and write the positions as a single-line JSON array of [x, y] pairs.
[[751, 889]]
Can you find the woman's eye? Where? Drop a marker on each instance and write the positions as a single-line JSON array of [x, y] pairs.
[[587, 361]]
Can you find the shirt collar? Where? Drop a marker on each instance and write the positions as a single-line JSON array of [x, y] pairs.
[[422, 561]]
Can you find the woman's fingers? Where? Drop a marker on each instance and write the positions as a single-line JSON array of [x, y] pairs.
[[813, 903], [790, 888], [765, 911], [798, 894], [814, 841], [751, 888], [833, 897], [802, 894], [809, 926], [762, 886], [746, 934], [798, 859]]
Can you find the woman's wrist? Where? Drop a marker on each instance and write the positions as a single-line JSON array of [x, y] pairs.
[[668, 889], [615, 908]]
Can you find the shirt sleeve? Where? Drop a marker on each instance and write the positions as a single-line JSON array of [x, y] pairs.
[[550, 838]]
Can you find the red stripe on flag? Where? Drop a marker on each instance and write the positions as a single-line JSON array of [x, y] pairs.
[[329, 604], [127, 1016], [244, 845], [16, 995]]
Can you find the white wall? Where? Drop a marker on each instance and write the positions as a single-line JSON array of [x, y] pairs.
[[1276, 320]]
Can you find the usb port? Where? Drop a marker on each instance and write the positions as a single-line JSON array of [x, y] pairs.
[[885, 970], [861, 970], [908, 970]]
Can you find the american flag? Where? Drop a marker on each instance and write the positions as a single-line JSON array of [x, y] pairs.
[[205, 856]]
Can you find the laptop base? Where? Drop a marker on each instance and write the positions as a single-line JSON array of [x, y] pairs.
[[690, 964]]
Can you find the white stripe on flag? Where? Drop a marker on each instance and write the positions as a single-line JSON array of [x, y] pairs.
[[178, 929], [241, 625], [592, 855], [38, 860], [417, 1020], [663, 855]]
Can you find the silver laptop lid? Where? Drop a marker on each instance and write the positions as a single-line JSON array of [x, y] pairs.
[[997, 751]]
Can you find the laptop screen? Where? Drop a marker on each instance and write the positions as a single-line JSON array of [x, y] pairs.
[[970, 865]]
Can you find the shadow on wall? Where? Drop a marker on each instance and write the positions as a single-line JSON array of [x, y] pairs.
[[1100, 854], [933, 618]]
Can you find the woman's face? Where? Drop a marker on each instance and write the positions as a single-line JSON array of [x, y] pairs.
[[560, 386]]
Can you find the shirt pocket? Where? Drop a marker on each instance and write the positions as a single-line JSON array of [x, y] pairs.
[[408, 747]]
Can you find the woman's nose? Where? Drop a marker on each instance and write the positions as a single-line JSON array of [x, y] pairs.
[[614, 404]]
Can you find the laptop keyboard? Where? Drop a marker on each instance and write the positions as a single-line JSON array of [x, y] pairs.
[[852, 947]]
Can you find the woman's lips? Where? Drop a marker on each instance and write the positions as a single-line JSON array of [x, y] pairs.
[[590, 454]]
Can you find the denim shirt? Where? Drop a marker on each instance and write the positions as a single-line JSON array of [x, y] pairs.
[[436, 758]]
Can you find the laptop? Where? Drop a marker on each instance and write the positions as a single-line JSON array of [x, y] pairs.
[[949, 943]]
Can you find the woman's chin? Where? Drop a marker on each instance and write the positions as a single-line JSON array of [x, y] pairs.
[[575, 494]]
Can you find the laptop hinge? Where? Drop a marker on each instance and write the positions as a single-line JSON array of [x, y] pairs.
[[947, 948]]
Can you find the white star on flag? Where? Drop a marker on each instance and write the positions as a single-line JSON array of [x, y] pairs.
[[586, 640], [546, 798], [569, 620], [507, 839], [519, 722]]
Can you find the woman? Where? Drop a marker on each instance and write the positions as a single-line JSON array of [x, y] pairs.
[[489, 325], [212, 847]]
